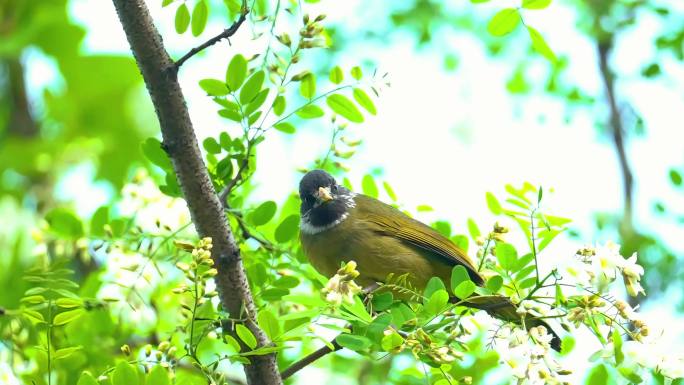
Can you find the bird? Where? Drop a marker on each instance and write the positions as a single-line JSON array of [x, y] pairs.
[[338, 225]]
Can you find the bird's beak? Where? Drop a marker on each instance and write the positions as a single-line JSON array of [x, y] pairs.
[[324, 195]]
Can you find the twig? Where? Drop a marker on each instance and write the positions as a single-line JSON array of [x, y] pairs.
[[301, 364], [246, 233], [228, 32], [223, 196]]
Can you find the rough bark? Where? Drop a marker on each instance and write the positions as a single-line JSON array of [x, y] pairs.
[[180, 142]]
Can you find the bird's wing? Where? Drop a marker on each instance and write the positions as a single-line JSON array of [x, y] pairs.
[[389, 221]]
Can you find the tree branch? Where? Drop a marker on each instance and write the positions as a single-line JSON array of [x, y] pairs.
[[205, 209], [604, 47], [228, 32], [304, 362]]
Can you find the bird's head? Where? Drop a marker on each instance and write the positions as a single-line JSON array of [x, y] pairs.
[[324, 202]]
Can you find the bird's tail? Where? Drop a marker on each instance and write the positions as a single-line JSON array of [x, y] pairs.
[[504, 309]]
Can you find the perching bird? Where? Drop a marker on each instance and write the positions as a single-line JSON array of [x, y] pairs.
[[338, 225]]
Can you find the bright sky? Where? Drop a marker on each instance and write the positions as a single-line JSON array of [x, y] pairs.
[[446, 138]]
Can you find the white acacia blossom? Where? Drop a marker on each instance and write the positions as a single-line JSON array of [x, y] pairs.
[[341, 287]]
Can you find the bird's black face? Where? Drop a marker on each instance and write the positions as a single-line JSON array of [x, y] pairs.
[[324, 202]]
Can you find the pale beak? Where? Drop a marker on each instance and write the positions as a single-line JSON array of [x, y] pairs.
[[324, 194]]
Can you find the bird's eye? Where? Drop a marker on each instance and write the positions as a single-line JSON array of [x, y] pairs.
[[334, 188]]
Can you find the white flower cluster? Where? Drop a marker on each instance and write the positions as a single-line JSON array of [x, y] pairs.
[[527, 353], [152, 209], [600, 266], [341, 287]]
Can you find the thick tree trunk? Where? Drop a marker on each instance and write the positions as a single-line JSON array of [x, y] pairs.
[[181, 145]]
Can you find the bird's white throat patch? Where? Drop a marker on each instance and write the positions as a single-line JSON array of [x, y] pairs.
[[306, 227]]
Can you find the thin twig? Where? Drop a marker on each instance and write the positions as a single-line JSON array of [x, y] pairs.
[[304, 362], [228, 32], [246, 233], [223, 196]]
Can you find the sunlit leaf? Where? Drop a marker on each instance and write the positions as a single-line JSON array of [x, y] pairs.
[[153, 151], [458, 274], [310, 111], [464, 289], [199, 18], [504, 22], [252, 87], [368, 186], [285, 127], [268, 323], [279, 105], [237, 72], [214, 87], [246, 335], [65, 223], [356, 73], [364, 100], [344, 107], [257, 102], [67, 316], [535, 4], [88, 379], [307, 86], [539, 45], [182, 18], [493, 204], [336, 75], [211, 145], [507, 255]]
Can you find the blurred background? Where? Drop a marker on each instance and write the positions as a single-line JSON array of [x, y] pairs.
[[464, 113]]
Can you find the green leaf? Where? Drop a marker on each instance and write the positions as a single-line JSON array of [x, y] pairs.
[[493, 204], [368, 186], [617, 346], [307, 86], [344, 107], [268, 323], [287, 229], [98, 221], [598, 376], [287, 282], [353, 342], [437, 302], [153, 151], [633, 377], [364, 100], [182, 18], [473, 230], [279, 105], [88, 379], [458, 274], [237, 72], [68, 303], [231, 114], [382, 301], [432, 286], [125, 374], [494, 283], [262, 214], [246, 335], [310, 111], [258, 101], [507, 255], [527, 283], [211, 145], [390, 191], [535, 4], [504, 22], [675, 177], [66, 352], [65, 223], [336, 75], [158, 376], [214, 87], [356, 73], [285, 127], [199, 18], [478, 1], [64, 318], [391, 341], [539, 45], [252, 87], [401, 313], [465, 289]]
